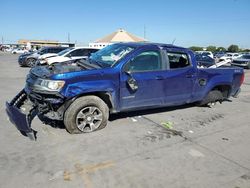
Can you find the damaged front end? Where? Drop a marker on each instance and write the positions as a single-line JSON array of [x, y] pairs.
[[19, 118], [41, 97], [28, 104]]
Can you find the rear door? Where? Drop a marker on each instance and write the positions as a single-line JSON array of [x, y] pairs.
[[147, 69], [180, 77]]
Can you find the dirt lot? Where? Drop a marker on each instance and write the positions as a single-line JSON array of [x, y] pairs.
[[134, 150]]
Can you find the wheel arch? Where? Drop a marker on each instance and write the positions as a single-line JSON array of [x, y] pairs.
[[105, 96], [224, 89], [30, 58]]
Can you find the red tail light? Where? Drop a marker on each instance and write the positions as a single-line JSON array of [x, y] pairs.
[[242, 78]]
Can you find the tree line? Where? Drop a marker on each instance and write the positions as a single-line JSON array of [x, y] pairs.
[[231, 48]]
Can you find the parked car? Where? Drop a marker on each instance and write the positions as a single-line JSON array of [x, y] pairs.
[[69, 54], [120, 77], [19, 51], [8, 49], [204, 61], [208, 53], [229, 56], [29, 59], [243, 61], [42, 58], [219, 54]]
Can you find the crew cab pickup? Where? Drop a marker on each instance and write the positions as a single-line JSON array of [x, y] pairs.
[[120, 77]]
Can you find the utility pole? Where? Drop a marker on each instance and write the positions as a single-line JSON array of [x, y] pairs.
[[174, 41], [144, 32], [68, 37]]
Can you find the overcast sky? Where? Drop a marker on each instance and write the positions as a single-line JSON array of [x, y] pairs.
[[188, 22]]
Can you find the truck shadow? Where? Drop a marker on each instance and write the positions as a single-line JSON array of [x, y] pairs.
[[60, 125], [122, 115], [113, 117]]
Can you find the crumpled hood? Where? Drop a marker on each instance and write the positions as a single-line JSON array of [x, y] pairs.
[[48, 71]]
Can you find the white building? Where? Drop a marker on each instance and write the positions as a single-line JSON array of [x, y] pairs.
[[117, 36]]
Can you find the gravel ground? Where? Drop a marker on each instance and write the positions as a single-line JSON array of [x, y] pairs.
[[134, 150]]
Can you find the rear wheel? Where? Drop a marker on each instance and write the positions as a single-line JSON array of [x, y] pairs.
[[86, 114], [211, 98]]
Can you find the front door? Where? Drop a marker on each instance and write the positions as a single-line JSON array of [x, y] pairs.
[[146, 72]]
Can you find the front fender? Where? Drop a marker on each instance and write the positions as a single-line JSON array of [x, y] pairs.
[[91, 87]]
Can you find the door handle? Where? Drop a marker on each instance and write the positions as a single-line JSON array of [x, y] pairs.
[[189, 75], [159, 78]]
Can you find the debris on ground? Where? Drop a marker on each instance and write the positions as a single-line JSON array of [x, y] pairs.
[[168, 124], [134, 120], [169, 127], [196, 153]]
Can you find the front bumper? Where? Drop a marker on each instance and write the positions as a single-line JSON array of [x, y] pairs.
[[21, 120], [22, 61], [50, 105]]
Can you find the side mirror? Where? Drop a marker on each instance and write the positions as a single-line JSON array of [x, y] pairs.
[[131, 82], [69, 56]]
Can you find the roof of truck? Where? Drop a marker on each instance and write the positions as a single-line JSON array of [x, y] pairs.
[[140, 44]]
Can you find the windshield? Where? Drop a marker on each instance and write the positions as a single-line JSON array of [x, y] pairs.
[[109, 55], [64, 51]]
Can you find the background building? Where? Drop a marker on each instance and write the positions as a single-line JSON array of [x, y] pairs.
[[117, 36], [41, 43]]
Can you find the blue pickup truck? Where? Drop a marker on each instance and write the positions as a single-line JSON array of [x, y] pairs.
[[121, 77]]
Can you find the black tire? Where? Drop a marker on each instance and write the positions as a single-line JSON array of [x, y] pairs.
[[78, 106], [212, 97], [31, 62]]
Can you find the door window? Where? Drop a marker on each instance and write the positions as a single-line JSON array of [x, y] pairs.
[[146, 61], [55, 50], [78, 53], [178, 60]]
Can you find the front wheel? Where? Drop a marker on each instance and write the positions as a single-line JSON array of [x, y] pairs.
[[86, 114], [31, 62]]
